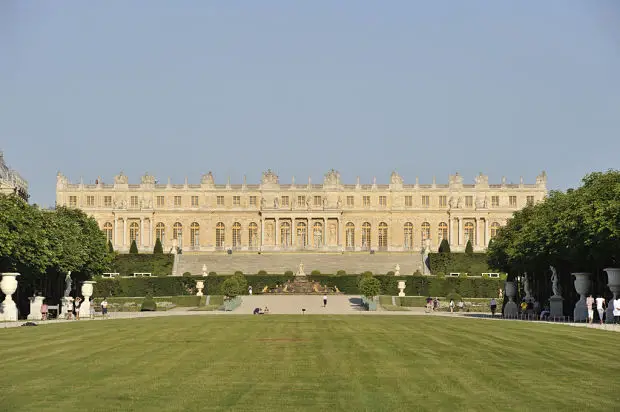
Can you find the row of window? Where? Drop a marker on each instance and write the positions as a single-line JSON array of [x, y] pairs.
[[301, 234], [301, 201]]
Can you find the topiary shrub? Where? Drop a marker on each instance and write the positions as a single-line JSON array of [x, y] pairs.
[[315, 272], [417, 273], [390, 273], [262, 273], [230, 287], [110, 247], [238, 273], [341, 273], [148, 304], [367, 273], [444, 246], [469, 249], [289, 273], [158, 249], [133, 249], [370, 287], [241, 281], [212, 274], [187, 274]]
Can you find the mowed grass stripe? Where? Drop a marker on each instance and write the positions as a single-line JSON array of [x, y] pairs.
[[348, 363]]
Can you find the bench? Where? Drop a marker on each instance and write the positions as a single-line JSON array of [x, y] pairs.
[[109, 274]]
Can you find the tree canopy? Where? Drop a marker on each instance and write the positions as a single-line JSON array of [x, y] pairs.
[[578, 229]]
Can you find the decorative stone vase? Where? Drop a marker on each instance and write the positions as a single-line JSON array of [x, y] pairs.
[[582, 285], [87, 292], [401, 288], [613, 283], [35, 307], [200, 285], [510, 309], [8, 285]]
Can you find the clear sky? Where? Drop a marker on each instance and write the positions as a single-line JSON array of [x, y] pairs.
[[178, 88]]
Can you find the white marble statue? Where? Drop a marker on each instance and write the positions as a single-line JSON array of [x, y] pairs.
[[527, 287], [68, 283], [555, 282], [300, 271], [204, 270], [425, 258], [397, 270]]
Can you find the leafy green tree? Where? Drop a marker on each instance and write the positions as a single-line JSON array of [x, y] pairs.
[[444, 246], [110, 247], [230, 287], [370, 286], [241, 282], [158, 249], [469, 249], [133, 249]]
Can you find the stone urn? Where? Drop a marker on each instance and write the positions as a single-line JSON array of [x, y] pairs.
[[613, 283], [200, 285], [582, 286], [8, 285], [401, 288], [87, 292], [510, 310]]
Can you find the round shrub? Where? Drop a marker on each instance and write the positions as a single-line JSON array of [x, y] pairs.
[[390, 273], [370, 287], [212, 274], [262, 272], [148, 304], [315, 272], [289, 273], [238, 273], [187, 274], [341, 273], [367, 273], [454, 296]]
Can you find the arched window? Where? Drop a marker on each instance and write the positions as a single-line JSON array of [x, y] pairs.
[[194, 234], [350, 235], [107, 230], [383, 235], [285, 233], [134, 233], [236, 239], [177, 233], [366, 235], [220, 235], [470, 233], [253, 235], [408, 232], [160, 232], [442, 232], [494, 229], [317, 234], [425, 232], [301, 234]]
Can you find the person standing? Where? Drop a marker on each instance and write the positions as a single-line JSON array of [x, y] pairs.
[[493, 306], [324, 301], [104, 308], [76, 308], [600, 308], [616, 304], [590, 304], [451, 305], [250, 290]]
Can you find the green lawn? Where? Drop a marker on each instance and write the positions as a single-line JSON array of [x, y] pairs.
[[277, 363]]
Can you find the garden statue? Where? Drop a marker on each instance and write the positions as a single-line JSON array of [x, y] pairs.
[[301, 272], [397, 270], [555, 282], [68, 283], [204, 270], [425, 257], [500, 293], [527, 288]]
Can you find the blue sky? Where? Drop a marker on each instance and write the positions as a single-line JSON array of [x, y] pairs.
[[178, 88]]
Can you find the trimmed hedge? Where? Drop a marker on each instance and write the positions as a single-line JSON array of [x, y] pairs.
[[475, 264], [158, 265]]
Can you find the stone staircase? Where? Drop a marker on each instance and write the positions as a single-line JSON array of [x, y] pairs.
[[293, 304], [279, 263]]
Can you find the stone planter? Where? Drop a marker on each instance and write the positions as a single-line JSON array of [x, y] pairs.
[[401, 288], [200, 285], [511, 310], [613, 283], [582, 286], [8, 285], [87, 292]]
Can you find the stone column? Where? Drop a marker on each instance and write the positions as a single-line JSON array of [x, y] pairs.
[[115, 233], [324, 234], [141, 233], [151, 232], [450, 234], [262, 233], [486, 232], [477, 232], [340, 240], [125, 232], [459, 236], [293, 232], [277, 237]]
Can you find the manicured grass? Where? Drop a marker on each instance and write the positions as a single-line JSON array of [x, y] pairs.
[[278, 363]]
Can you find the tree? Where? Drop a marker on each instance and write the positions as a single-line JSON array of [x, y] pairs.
[[133, 249], [230, 287], [110, 247], [469, 249], [370, 287], [158, 249], [241, 281], [444, 246]]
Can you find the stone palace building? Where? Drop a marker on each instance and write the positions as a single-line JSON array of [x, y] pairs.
[[11, 182], [271, 216]]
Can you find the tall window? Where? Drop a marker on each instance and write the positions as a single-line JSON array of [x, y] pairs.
[[366, 201], [253, 235], [383, 201], [177, 233], [408, 201], [194, 201], [133, 201], [220, 200], [494, 229], [425, 229], [252, 200], [301, 201], [366, 235], [470, 233], [90, 201], [350, 235], [495, 201], [408, 244], [72, 201], [383, 235], [469, 201], [301, 234], [285, 201], [350, 201], [107, 230], [160, 232], [318, 201], [194, 234], [285, 232], [236, 235], [317, 234], [220, 235], [513, 201], [442, 231], [107, 201], [236, 200], [161, 201], [177, 201], [426, 201], [443, 202], [134, 232], [530, 200]]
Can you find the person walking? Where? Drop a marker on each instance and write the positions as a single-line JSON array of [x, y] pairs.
[[250, 290], [493, 306], [590, 304], [600, 308], [324, 301], [451, 305]]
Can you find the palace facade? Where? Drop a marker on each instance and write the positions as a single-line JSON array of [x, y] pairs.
[[270, 216], [11, 182]]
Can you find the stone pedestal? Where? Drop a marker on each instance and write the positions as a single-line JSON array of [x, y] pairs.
[[200, 285], [613, 283], [582, 285], [556, 306], [87, 292], [401, 288], [511, 310], [8, 285], [35, 307]]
